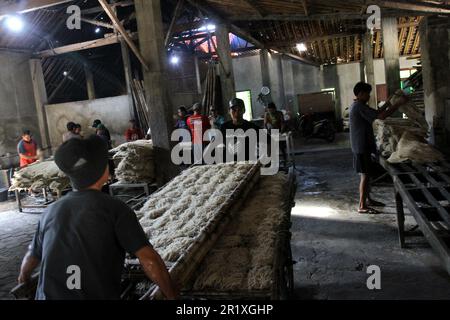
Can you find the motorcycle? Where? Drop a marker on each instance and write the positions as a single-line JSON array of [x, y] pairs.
[[322, 129]]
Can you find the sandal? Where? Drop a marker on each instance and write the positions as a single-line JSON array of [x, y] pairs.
[[368, 211]]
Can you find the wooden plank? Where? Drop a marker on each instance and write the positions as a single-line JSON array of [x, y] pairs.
[[126, 36], [97, 23], [442, 212], [292, 43], [409, 42], [94, 10], [425, 226], [82, 46], [412, 7]]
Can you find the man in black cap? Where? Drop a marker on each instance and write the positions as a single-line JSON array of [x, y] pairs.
[[81, 240], [237, 111], [102, 131]]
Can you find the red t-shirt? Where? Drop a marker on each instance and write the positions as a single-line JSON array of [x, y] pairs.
[[201, 123], [28, 149], [134, 134]]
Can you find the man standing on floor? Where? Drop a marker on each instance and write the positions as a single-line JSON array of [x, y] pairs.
[[81, 239], [237, 110], [70, 133], [362, 140]]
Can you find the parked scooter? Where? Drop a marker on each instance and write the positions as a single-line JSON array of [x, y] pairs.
[[322, 129]]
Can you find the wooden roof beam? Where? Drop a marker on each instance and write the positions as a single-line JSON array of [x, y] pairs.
[[28, 6], [255, 5], [176, 15], [435, 9], [123, 32], [311, 39], [97, 23], [113, 5], [241, 33], [83, 46]]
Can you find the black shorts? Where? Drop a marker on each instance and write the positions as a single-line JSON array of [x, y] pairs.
[[362, 162]]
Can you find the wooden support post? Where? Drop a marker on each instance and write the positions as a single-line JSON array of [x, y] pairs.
[[227, 74], [197, 75], [128, 75], [400, 219], [264, 58], [151, 43], [391, 54], [40, 99], [90, 87], [369, 67], [281, 89]]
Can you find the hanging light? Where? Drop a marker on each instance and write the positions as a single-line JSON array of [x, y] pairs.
[[301, 47], [97, 30], [174, 60]]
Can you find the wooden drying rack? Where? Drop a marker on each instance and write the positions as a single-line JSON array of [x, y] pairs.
[[425, 189]]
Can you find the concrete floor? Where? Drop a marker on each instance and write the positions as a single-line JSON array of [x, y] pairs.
[[331, 243]]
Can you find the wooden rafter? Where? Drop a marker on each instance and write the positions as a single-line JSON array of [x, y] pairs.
[[82, 46], [412, 6], [175, 17], [415, 48], [123, 32], [113, 5], [255, 5], [97, 23], [238, 31], [409, 41], [305, 7]]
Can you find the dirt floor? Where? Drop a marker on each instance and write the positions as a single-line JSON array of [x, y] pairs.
[[332, 244]]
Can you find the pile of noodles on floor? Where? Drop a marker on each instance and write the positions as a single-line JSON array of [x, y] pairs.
[[135, 162]]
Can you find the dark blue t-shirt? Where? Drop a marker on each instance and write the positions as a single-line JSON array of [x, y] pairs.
[[91, 231], [361, 131]]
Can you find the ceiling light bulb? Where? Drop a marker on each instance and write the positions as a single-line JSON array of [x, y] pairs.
[[14, 23]]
